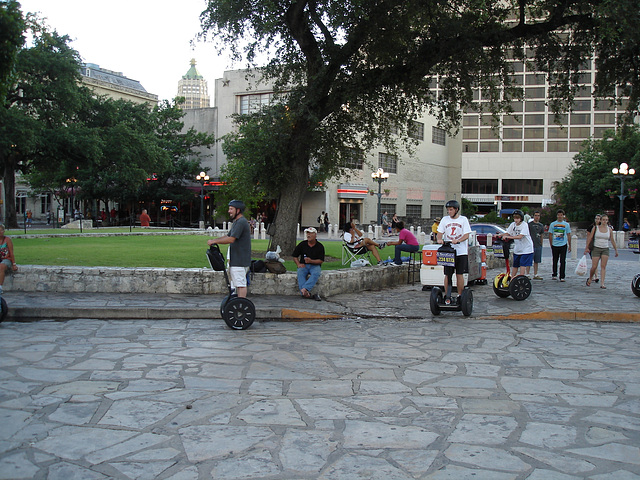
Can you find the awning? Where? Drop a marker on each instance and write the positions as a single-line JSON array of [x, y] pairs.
[[352, 191]]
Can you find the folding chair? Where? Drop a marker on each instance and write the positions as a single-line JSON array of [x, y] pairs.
[[352, 254]]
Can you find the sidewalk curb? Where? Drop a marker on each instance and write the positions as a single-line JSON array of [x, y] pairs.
[[570, 316], [26, 314]]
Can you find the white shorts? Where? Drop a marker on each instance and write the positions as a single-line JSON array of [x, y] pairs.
[[238, 276]]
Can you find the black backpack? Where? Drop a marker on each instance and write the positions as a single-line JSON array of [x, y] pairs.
[[215, 257]]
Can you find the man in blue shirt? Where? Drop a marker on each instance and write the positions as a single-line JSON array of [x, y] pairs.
[[560, 241]]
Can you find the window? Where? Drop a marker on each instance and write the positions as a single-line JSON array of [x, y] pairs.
[[489, 146], [253, 103], [470, 120], [390, 208], [487, 133], [45, 203], [354, 159], [436, 211], [534, 133], [482, 186], [582, 105], [604, 118], [416, 131], [534, 146], [438, 136], [512, 133], [557, 132], [470, 146], [534, 106], [534, 119], [557, 146], [414, 212], [580, 118], [522, 186], [535, 92], [512, 147], [580, 132], [388, 162], [469, 133]]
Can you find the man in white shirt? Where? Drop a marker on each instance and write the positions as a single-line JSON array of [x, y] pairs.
[[455, 229]]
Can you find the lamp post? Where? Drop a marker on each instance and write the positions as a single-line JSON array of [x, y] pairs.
[[202, 178], [622, 172], [379, 176]]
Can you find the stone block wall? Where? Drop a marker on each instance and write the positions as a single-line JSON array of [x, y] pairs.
[[198, 281]]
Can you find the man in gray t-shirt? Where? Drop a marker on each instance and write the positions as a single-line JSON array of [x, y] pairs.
[[239, 241]]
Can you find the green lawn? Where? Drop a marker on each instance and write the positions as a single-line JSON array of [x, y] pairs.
[[170, 251]]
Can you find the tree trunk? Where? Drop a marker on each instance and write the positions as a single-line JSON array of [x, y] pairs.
[[9, 183], [286, 221]]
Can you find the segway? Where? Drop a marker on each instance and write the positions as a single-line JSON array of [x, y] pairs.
[[519, 287], [4, 309], [238, 313], [634, 245], [446, 257]]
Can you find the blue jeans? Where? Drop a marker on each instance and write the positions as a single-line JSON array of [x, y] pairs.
[[403, 247], [308, 276]]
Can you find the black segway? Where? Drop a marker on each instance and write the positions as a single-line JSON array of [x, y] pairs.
[[634, 245], [519, 287], [438, 302], [4, 309], [238, 313]]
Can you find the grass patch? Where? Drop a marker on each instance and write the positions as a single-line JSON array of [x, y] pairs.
[[160, 251]]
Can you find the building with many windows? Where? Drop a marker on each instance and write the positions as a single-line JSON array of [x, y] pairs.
[[418, 186], [519, 163], [193, 87]]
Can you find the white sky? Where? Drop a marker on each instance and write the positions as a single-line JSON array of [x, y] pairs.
[[146, 40]]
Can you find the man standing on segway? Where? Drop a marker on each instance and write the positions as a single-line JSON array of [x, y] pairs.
[[455, 229], [239, 240]]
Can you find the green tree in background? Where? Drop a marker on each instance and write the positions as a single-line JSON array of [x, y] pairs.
[[357, 72], [11, 39], [583, 190]]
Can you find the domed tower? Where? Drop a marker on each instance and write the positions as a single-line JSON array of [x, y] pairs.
[[193, 87]]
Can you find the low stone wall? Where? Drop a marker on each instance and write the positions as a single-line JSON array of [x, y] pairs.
[[198, 281]]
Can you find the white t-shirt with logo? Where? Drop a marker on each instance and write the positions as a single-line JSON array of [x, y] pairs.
[[524, 245], [454, 229]]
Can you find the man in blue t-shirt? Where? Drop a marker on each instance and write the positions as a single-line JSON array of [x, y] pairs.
[[560, 241]]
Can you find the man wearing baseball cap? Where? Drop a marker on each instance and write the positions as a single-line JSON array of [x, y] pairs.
[[239, 241], [309, 255]]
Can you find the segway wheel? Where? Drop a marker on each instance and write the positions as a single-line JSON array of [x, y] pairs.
[[635, 286], [239, 313], [435, 300], [520, 287], [224, 302], [466, 302], [501, 285], [4, 311]]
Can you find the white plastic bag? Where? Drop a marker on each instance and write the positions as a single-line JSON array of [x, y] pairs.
[[362, 262], [581, 269]]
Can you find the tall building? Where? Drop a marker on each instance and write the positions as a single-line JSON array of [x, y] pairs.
[[193, 87], [519, 163]]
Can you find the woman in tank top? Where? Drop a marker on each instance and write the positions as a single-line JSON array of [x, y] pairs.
[[601, 236]]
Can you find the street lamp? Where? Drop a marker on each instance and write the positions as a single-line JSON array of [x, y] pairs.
[[622, 172], [202, 178], [379, 176]]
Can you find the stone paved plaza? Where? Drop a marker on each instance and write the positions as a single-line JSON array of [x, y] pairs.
[[449, 398]]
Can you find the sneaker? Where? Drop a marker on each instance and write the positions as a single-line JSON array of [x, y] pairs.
[[562, 279], [554, 278], [537, 277], [447, 300], [317, 297], [382, 245], [596, 280]]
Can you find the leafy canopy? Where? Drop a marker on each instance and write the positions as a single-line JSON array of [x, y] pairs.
[[584, 190]]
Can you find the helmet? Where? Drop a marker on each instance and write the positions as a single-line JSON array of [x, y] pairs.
[[453, 203], [239, 204], [518, 212]]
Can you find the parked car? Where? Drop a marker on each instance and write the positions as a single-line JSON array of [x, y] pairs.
[[482, 229]]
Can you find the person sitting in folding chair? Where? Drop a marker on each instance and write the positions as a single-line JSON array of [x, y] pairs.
[[359, 244]]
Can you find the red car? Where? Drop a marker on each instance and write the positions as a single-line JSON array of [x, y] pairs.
[[482, 229]]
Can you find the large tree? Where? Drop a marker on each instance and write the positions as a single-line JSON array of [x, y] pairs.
[[44, 98], [356, 70], [584, 190]]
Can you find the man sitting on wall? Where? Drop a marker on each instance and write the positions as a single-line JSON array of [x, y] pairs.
[[309, 256]]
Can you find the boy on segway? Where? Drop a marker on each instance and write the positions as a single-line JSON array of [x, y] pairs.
[[523, 249], [455, 229]]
